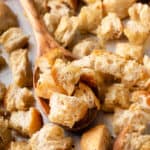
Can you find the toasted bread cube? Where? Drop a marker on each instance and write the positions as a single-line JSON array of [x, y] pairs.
[[131, 140], [140, 12], [146, 145], [85, 47], [65, 75], [110, 28], [66, 110], [97, 138], [119, 7], [13, 39], [5, 133], [66, 30], [84, 92], [50, 137], [20, 66], [136, 32], [116, 95], [18, 145], [26, 122], [17, 98], [51, 21], [90, 17], [41, 6], [2, 91], [130, 51], [2, 62], [7, 18]]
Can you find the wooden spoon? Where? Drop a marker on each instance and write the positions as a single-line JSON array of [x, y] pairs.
[[46, 43]]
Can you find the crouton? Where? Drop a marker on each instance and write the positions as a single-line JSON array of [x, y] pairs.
[[41, 6], [17, 145], [2, 91], [2, 62]]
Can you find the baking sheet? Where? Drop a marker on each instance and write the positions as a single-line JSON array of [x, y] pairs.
[[5, 74]]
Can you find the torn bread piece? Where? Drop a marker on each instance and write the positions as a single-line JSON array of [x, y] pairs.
[[66, 110], [19, 145], [66, 75], [119, 7], [90, 17], [140, 12], [137, 116], [97, 138], [85, 47], [2, 91], [131, 140], [110, 28], [7, 17], [117, 95], [21, 69], [17, 98], [26, 122], [66, 30], [130, 51], [13, 39], [136, 32], [5, 133], [50, 137]]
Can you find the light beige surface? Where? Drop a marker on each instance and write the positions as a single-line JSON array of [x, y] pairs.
[[6, 77]]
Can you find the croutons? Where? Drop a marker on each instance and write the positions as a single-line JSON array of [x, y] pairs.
[[86, 94], [51, 21], [18, 145], [66, 30], [5, 133], [2, 91], [7, 17], [131, 140], [136, 32], [146, 62], [13, 39], [117, 95], [26, 122], [97, 138], [85, 47], [90, 17], [137, 117], [18, 98], [130, 51], [119, 7], [20, 66], [50, 137], [66, 110], [65, 75], [110, 28], [140, 12]]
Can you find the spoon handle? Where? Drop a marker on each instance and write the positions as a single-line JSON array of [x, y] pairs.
[[45, 41]]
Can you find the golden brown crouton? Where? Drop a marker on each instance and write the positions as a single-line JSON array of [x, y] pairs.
[[20, 66], [140, 12], [19, 145], [130, 51], [120, 7], [26, 122], [136, 32], [110, 27], [66, 30], [13, 39], [117, 95], [90, 17], [7, 17], [18, 98], [50, 137], [2, 91], [5, 133], [86, 94], [97, 138], [66, 110]]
